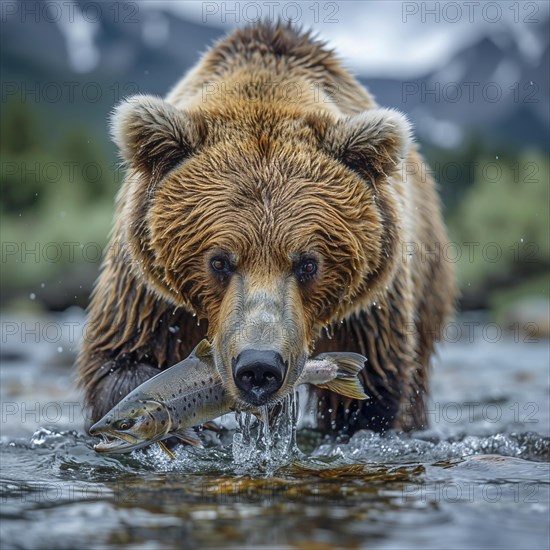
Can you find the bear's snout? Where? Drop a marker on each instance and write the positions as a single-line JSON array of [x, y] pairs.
[[258, 374]]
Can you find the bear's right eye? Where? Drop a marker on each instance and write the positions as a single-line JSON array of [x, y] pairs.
[[305, 269]]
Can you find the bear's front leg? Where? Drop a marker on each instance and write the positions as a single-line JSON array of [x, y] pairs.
[[393, 378], [130, 335]]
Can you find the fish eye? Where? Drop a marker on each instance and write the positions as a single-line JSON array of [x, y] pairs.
[[124, 424]]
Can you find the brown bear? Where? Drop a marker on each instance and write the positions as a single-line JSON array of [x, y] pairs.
[[265, 200]]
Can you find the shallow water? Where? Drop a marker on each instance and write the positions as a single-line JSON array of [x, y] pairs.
[[479, 478]]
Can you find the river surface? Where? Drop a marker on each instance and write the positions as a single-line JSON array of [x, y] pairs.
[[478, 478]]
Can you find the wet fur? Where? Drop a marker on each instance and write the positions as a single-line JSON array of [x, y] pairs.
[[310, 175]]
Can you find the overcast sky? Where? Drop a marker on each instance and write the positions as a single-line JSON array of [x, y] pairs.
[[387, 37]]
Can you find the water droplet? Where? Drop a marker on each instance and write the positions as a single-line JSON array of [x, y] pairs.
[[32, 296], [59, 349]]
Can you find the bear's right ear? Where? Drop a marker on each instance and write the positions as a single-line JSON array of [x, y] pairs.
[[153, 135], [371, 143]]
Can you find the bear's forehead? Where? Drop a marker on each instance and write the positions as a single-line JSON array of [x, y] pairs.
[[253, 187], [255, 147], [280, 188], [261, 163], [263, 217], [287, 179]]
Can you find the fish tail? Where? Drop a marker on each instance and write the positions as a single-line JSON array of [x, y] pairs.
[[346, 382], [349, 387], [203, 349], [188, 436]]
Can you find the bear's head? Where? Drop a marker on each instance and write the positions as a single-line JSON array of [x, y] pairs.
[[269, 223]]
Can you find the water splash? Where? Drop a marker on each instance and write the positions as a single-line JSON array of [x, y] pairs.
[[329, 331], [242, 447], [267, 441]]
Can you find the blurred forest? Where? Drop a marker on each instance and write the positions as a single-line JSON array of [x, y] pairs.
[[60, 172]]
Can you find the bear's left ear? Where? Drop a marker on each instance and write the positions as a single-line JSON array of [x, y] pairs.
[[372, 143], [153, 135]]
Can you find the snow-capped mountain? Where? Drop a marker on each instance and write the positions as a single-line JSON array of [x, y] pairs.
[[495, 86]]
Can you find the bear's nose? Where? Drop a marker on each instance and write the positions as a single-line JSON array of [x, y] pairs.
[[258, 374]]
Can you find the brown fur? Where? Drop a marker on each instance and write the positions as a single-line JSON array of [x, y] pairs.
[[228, 162]]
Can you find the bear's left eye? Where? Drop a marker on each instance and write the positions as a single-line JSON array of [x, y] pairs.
[[220, 265], [306, 269]]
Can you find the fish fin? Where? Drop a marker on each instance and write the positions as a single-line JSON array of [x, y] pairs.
[[346, 382], [212, 426], [167, 450], [203, 349], [189, 437], [348, 387]]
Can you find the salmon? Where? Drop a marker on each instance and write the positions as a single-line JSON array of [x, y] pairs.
[[192, 393]]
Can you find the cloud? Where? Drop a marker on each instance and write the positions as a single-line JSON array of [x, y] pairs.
[[381, 37]]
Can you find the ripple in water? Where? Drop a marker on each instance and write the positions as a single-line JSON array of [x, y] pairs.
[[369, 447]]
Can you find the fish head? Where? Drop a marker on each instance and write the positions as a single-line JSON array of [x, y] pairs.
[[132, 425]]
